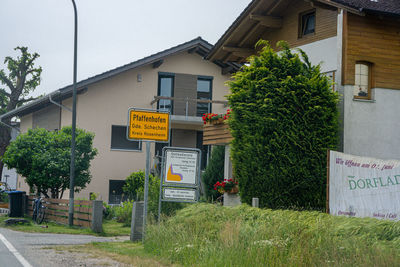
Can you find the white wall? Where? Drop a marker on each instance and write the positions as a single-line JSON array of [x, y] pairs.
[[324, 52], [372, 128], [11, 178]]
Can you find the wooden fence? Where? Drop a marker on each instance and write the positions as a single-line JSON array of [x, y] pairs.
[[57, 210]]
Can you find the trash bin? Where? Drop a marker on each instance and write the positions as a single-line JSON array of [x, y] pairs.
[[16, 203]]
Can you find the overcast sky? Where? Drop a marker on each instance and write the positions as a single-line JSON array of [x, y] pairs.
[[111, 33]]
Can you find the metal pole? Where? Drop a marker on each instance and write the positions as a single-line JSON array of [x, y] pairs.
[[146, 187], [162, 173], [72, 166]]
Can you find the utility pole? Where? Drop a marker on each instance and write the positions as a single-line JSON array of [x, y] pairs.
[[73, 145]]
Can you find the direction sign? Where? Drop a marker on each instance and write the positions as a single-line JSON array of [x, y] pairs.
[[181, 167], [148, 125], [179, 194]]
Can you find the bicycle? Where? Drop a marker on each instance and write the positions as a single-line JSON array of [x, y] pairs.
[[38, 210]]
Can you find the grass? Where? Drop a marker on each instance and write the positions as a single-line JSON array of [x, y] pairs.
[[124, 252], [110, 228], [210, 235]]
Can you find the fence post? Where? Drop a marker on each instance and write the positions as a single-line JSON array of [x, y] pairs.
[[97, 216], [137, 221], [254, 202]]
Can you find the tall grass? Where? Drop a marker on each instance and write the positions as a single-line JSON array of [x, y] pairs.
[[210, 235]]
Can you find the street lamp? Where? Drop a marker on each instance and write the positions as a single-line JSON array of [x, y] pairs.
[[72, 166]]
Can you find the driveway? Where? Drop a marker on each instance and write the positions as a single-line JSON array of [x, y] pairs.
[[27, 249]]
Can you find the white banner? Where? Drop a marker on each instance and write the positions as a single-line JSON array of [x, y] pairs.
[[364, 187]]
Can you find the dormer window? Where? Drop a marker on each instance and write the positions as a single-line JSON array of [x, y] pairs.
[[307, 23], [362, 84]]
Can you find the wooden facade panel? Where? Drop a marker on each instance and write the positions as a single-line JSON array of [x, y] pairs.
[[217, 134], [325, 25], [370, 38]]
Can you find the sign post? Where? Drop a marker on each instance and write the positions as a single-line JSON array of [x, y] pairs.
[[180, 176], [149, 126]]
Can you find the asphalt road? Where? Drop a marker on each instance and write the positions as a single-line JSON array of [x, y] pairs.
[[30, 248]]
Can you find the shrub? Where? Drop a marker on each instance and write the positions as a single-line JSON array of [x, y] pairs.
[[4, 197], [284, 120], [214, 172], [134, 188], [123, 213]]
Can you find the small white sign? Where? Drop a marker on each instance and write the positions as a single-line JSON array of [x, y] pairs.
[[181, 167], [181, 194]]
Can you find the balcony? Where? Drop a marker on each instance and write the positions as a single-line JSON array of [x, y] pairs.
[[186, 112]]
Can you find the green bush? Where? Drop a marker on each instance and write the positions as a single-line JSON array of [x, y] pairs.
[[134, 188], [283, 121], [4, 197], [133, 183], [123, 213], [214, 172]]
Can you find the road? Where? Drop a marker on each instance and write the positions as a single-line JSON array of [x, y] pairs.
[[27, 249]]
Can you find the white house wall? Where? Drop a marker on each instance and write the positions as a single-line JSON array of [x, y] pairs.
[[371, 128], [323, 52], [107, 102]]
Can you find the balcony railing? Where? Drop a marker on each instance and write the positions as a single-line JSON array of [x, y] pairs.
[[185, 106]]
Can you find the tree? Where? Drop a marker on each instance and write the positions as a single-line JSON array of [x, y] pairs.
[[22, 78], [44, 157], [284, 120], [214, 171], [134, 183]]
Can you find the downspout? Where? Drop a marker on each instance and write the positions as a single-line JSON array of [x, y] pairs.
[[58, 104], [9, 126]]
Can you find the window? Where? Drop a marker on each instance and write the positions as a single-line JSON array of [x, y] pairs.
[[165, 88], [204, 86], [119, 141], [307, 23], [362, 84], [116, 193], [204, 149]]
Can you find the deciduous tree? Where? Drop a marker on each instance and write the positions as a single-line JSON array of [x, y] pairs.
[[44, 157], [21, 78]]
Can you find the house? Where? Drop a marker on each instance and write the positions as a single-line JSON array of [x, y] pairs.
[[357, 43], [171, 80], [9, 176]]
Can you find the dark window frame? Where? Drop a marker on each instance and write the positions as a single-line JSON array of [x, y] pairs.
[[166, 75], [205, 78], [303, 19], [120, 148]]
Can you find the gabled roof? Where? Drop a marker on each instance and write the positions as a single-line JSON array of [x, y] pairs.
[[197, 45], [246, 29], [386, 7]]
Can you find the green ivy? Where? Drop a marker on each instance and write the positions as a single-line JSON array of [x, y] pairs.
[[283, 121]]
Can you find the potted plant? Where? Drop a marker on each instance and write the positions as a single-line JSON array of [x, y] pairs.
[[213, 118], [229, 186]]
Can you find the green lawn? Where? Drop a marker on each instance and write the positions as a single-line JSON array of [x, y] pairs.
[[110, 228]]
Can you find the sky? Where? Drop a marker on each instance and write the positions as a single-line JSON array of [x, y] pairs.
[[110, 33]]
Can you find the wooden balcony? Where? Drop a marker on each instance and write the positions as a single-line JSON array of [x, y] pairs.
[[216, 134]]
